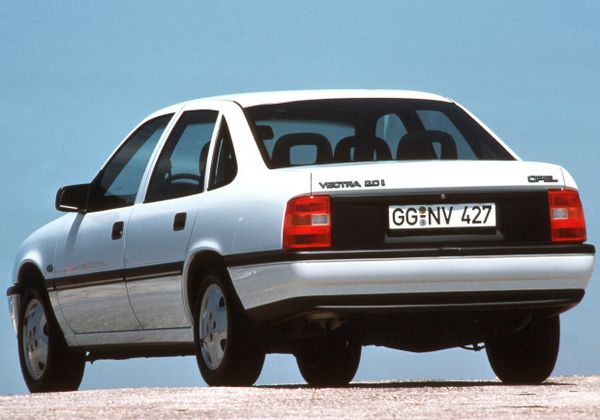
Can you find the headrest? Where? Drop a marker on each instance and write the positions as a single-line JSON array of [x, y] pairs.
[[202, 158], [281, 151], [365, 149], [418, 145], [264, 132]]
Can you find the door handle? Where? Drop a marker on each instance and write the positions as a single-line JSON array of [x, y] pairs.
[[117, 230], [179, 221]]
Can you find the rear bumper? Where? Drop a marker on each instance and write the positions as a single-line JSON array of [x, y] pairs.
[[382, 280]]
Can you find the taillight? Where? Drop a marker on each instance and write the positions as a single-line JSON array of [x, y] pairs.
[[307, 222], [566, 216]]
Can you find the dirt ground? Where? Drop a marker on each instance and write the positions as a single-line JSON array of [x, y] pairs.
[[560, 398]]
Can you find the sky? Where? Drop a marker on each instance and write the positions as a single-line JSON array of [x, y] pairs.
[[76, 77]]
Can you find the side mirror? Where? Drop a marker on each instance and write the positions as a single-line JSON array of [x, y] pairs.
[[72, 198]]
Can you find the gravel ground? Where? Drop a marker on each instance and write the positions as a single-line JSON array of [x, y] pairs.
[[561, 398]]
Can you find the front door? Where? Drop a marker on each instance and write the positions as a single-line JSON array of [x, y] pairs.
[[89, 255]]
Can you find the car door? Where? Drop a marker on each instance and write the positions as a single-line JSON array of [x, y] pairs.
[[159, 230], [89, 254]]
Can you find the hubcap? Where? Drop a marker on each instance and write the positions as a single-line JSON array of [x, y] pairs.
[[35, 339], [213, 326]]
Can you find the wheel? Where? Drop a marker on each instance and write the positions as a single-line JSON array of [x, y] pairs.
[[46, 362], [224, 342], [332, 362], [527, 356]]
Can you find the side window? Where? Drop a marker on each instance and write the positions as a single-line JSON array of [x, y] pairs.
[[224, 165], [118, 182], [182, 162]]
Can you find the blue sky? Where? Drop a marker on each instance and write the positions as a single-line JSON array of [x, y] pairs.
[[75, 77]]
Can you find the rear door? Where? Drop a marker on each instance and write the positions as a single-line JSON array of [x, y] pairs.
[[159, 229]]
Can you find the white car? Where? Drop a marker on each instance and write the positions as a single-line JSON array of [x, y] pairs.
[[311, 223]]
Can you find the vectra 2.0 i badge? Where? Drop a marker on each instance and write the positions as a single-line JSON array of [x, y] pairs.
[[309, 222]]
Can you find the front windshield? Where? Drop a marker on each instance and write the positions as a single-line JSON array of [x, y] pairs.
[[357, 130]]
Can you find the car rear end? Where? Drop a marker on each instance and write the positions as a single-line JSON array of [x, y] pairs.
[[397, 248], [413, 247]]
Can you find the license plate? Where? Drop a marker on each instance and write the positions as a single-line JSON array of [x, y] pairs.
[[439, 216]]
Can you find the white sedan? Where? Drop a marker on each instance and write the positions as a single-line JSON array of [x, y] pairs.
[[308, 222]]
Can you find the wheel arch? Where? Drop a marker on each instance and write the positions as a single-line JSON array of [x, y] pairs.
[[29, 273], [24, 275], [198, 264]]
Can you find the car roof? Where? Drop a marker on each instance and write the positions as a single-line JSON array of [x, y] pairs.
[[251, 99], [266, 98]]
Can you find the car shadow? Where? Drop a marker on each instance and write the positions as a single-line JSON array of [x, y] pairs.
[[416, 384]]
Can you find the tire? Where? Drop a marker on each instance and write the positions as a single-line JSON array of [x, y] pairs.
[[47, 364], [332, 362], [224, 340], [528, 356]]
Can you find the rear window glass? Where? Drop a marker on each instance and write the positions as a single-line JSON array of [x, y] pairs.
[[358, 130]]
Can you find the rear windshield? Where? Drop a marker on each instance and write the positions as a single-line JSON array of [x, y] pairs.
[[358, 130]]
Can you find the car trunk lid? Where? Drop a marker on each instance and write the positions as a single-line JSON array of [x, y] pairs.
[[439, 176], [364, 196]]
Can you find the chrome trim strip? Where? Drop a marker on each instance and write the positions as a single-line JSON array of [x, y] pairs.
[[152, 276], [86, 284]]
